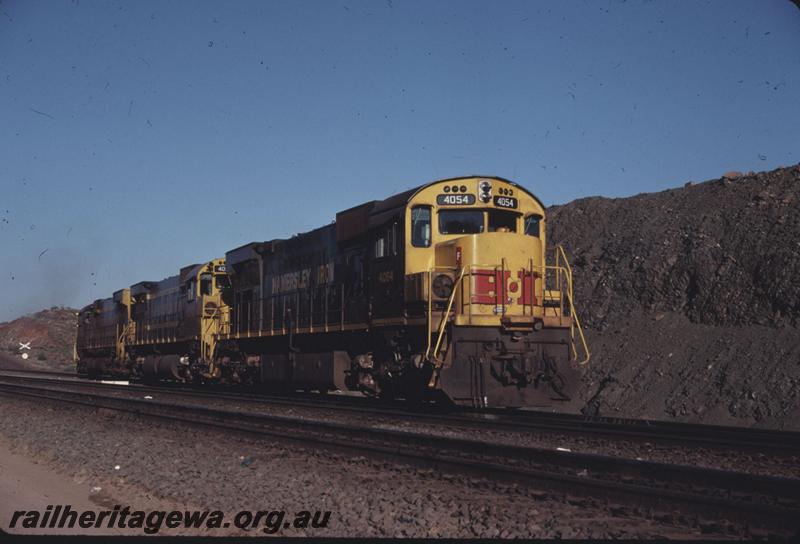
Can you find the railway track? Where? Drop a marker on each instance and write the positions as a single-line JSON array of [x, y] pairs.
[[745, 499], [53, 373], [634, 430]]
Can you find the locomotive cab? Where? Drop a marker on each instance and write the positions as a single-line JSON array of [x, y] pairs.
[[501, 329]]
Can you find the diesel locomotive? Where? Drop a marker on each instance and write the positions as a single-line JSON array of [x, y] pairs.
[[446, 291]]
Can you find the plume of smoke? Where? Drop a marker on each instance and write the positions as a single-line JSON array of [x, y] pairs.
[[62, 277]]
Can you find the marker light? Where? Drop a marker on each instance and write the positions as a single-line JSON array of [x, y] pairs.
[[485, 191]]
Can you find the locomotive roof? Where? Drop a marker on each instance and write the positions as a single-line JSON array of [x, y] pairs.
[[98, 303], [402, 198], [374, 210], [154, 286], [394, 201], [190, 271], [242, 253]]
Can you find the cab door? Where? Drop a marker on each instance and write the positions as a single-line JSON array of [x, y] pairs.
[[386, 270]]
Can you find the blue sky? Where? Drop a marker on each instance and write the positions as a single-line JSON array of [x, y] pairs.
[[141, 136]]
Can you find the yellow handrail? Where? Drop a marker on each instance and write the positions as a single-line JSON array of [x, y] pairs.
[[563, 274], [561, 254], [121, 344], [443, 322], [430, 311]]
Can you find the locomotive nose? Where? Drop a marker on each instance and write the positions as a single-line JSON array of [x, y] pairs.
[[500, 272], [510, 348]]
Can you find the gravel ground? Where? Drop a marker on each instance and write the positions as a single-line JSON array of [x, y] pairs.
[[765, 463], [367, 497]]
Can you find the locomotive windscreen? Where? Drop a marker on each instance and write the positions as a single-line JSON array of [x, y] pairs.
[[460, 221]]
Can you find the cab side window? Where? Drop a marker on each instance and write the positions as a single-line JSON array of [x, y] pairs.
[[532, 225], [421, 226], [205, 284], [222, 282]]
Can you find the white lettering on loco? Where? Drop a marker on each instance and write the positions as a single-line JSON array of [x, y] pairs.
[[300, 279]]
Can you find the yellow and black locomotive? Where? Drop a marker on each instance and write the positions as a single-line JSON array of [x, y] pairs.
[[447, 290]]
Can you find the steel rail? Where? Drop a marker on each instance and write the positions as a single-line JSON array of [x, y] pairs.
[[664, 432], [761, 500], [39, 372]]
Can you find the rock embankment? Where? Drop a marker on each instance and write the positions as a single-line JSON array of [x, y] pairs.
[[50, 335], [691, 299]]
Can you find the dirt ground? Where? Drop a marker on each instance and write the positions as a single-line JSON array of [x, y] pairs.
[[30, 484], [59, 454]]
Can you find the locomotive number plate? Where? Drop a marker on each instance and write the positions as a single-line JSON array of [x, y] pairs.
[[505, 202], [455, 200]]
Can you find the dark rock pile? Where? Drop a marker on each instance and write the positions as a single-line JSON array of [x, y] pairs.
[[691, 298]]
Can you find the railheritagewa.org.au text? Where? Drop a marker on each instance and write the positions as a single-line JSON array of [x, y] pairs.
[[155, 521]]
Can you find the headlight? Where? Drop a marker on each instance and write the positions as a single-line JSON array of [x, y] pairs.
[[442, 286]]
